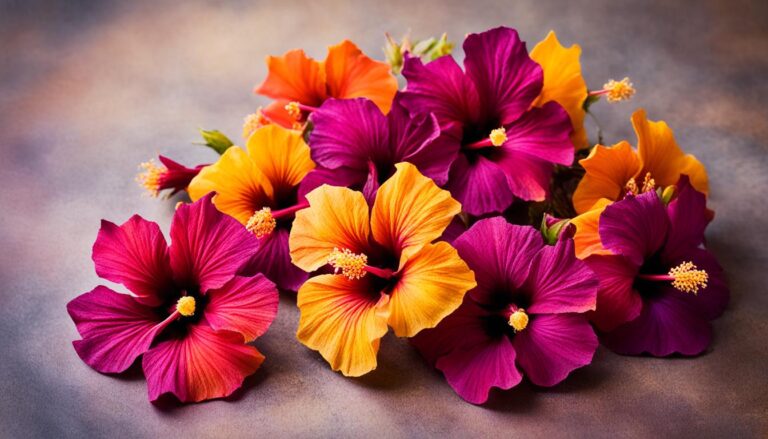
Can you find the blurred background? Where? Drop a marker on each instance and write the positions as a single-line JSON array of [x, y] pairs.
[[88, 90]]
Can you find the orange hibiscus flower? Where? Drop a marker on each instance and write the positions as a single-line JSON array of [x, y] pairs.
[[388, 271], [612, 172], [305, 83]]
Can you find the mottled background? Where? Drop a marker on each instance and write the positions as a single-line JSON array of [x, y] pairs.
[[89, 90]]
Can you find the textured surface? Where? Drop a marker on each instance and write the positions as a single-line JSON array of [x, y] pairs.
[[89, 91]]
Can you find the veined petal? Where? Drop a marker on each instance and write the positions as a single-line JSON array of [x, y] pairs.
[[432, 283], [336, 218], [247, 305], [352, 74], [506, 78], [617, 300], [608, 169], [274, 260], [134, 254], [661, 156], [688, 217], [635, 227], [527, 176], [200, 364], [553, 345], [240, 187], [541, 133], [560, 283], [207, 247], [281, 155], [410, 209], [116, 329], [344, 320], [563, 82], [480, 186], [275, 112], [294, 77], [587, 237]]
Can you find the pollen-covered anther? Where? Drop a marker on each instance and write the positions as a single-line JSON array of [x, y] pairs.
[[688, 278], [518, 320], [261, 223], [294, 110], [252, 122], [498, 136], [352, 265], [631, 187], [617, 91], [150, 178], [186, 306], [649, 184]]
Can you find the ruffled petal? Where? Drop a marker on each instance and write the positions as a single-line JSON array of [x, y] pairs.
[[116, 329], [608, 169], [352, 74], [688, 217], [344, 320], [134, 254], [559, 282], [554, 345], [440, 87], [472, 372], [506, 78], [587, 237], [635, 227], [201, 364], [274, 260], [666, 325], [294, 77], [275, 112], [432, 282], [247, 305], [480, 186], [240, 187], [349, 133], [207, 247], [500, 254], [563, 82], [527, 176], [282, 156], [336, 218], [661, 156], [541, 133], [410, 210], [617, 300], [342, 177]]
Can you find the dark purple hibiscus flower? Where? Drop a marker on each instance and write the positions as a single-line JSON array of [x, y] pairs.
[[661, 288], [526, 311], [357, 146], [508, 149]]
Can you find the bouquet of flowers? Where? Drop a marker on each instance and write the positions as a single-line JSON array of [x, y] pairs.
[[466, 211]]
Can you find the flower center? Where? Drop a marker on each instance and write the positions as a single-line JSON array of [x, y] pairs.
[[649, 184], [496, 139], [261, 223], [518, 320], [186, 306], [151, 177], [355, 265], [616, 91], [686, 277]]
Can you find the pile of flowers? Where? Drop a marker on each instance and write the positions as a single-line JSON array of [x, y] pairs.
[[464, 208]]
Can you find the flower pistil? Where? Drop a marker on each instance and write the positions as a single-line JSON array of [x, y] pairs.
[[685, 277], [496, 139], [151, 177], [518, 320], [354, 265], [186, 306]]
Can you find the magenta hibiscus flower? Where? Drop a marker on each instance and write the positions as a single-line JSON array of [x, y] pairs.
[[526, 311], [190, 314], [661, 288], [357, 146], [508, 149]]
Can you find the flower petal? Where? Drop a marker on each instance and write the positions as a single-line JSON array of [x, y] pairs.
[[661, 156], [527, 176], [275, 112], [553, 345], [116, 329], [247, 305], [506, 78], [559, 282], [608, 169], [541, 133], [240, 187], [563, 82], [200, 364], [207, 247], [274, 260], [344, 320], [473, 371], [500, 254], [481, 186], [587, 237], [336, 218], [410, 209], [134, 254], [342, 177], [294, 77], [282, 156], [432, 283], [635, 227], [711, 301], [617, 300], [688, 217], [352, 74]]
